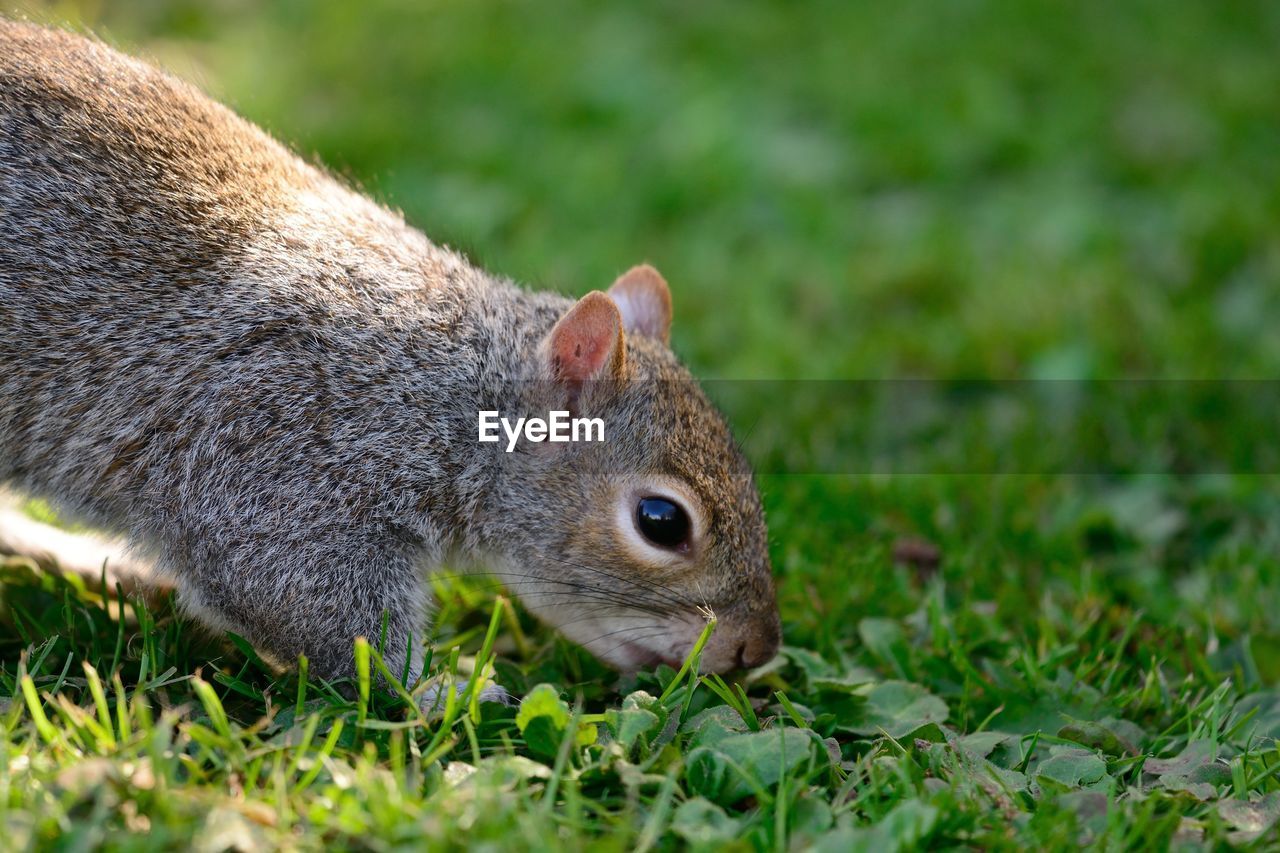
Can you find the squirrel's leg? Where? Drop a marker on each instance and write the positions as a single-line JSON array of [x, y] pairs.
[[296, 598], [288, 601]]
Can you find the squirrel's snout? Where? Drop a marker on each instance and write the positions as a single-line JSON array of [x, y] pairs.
[[750, 655], [744, 644], [758, 649], [741, 641]]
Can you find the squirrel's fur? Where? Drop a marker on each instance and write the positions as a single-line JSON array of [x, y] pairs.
[[269, 384]]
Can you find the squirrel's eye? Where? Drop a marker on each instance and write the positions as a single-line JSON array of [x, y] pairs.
[[662, 522]]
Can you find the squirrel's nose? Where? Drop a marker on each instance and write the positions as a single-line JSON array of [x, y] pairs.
[[758, 649]]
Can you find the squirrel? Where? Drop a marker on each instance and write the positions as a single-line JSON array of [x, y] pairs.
[[268, 385]]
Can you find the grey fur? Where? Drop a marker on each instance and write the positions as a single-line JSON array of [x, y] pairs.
[[269, 383]]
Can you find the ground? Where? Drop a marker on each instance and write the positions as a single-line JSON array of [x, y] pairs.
[[985, 645]]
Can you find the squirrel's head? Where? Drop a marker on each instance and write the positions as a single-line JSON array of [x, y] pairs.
[[625, 543]]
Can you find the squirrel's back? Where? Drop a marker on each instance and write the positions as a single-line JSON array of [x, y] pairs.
[[104, 158], [166, 266]]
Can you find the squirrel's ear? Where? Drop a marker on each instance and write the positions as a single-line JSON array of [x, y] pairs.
[[644, 299], [587, 342]]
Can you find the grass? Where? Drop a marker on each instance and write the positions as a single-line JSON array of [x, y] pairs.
[[834, 190]]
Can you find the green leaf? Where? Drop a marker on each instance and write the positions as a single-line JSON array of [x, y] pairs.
[[971, 775], [737, 765], [1196, 770], [1097, 736], [642, 700], [1195, 754], [709, 727], [896, 707], [543, 737], [981, 744], [542, 719], [543, 701], [812, 664], [1070, 768], [629, 725], [905, 827], [886, 641], [847, 683], [1200, 790], [701, 822], [1089, 807], [928, 733], [706, 772], [1251, 819], [810, 816]]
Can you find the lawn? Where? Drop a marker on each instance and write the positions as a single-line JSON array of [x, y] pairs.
[[987, 643]]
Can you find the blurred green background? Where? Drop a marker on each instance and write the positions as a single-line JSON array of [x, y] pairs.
[[834, 189]]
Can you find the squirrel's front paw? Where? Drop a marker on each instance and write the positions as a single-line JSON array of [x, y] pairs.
[[495, 693], [432, 700]]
